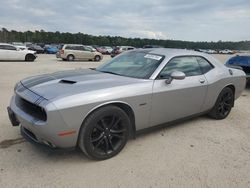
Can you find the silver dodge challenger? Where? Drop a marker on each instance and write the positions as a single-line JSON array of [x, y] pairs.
[[99, 109]]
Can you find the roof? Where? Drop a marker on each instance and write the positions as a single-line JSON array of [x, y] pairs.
[[172, 52]]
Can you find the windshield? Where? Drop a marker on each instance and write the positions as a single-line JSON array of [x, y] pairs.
[[133, 64]]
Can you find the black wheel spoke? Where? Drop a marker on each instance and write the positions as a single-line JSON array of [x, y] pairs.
[[103, 123], [98, 127], [110, 143], [98, 144], [222, 110], [112, 122], [106, 144], [117, 135], [117, 131], [115, 123], [97, 139], [227, 105]]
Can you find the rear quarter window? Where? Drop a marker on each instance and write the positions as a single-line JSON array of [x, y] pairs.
[[70, 48], [204, 64]]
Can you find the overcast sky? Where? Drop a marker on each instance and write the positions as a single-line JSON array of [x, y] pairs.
[[192, 20]]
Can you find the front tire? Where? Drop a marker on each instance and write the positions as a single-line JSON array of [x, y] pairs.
[[97, 58], [104, 133], [223, 105], [30, 57], [70, 58]]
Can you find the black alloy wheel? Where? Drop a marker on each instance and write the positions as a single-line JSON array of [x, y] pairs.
[[104, 133], [223, 104]]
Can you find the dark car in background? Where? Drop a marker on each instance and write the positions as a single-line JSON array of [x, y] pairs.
[[241, 61], [36, 48]]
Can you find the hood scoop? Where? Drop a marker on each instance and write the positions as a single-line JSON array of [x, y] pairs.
[[67, 82]]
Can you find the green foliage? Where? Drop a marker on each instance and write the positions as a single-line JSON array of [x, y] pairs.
[[81, 38]]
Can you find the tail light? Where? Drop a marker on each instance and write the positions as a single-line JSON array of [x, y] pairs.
[[61, 51]]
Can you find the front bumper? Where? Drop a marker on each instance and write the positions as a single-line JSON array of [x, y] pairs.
[[43, 132]]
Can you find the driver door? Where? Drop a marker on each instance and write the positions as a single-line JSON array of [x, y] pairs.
[[180, 98], [11, 53]]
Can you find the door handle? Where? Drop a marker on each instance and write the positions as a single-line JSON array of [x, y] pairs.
[[202, 81]]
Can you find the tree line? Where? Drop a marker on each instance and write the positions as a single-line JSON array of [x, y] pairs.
[[81, 38]]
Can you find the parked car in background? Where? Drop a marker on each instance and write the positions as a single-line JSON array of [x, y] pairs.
[[92, 48], [50, 49], [241, 61], [59, 48], [36, 48], [226, 51], [20, 45], [10, 52], [73, 52], [208, 51], [106, 50], [152, 46], [119, 49], [99, 109]]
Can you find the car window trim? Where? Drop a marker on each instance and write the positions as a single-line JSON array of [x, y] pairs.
[[158, 75]]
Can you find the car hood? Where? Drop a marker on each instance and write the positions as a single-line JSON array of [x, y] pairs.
[[66, 83]]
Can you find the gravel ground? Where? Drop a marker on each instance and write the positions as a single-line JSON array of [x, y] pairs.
[[197, 153]]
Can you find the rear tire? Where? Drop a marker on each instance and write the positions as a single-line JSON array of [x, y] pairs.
[[97, 58], [223, 105], [104, 133], [70, 58], [30, 57]]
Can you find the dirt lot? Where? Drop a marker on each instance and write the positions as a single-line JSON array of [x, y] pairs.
[[197, 153]]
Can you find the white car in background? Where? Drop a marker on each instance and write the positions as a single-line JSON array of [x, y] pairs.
[[10, 52], [20, 45], [226, 51]]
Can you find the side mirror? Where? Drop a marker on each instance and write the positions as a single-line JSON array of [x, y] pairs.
[[176, 75]]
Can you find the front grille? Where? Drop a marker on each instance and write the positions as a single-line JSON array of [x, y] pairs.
[[31, 109]]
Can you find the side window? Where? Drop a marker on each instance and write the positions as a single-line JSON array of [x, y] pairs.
[[7, 47], [188, 65], [87, 49], [205, 65], [2, 47], [68, 47], [81, 48]]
